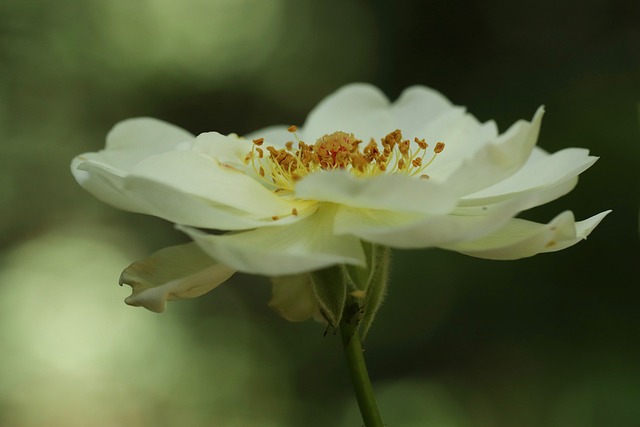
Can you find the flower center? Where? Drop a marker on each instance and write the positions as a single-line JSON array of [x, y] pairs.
[[340, 150]]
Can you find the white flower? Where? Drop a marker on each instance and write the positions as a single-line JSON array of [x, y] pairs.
[[416, 173]]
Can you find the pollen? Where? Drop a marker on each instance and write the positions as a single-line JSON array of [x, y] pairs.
[[393, 154]]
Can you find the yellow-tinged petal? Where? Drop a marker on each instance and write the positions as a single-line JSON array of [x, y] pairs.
[[307, 245], [394, 192], [176, 272], [520, 238], [292, 298]]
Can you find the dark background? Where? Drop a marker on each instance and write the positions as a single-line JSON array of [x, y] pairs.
[[546, 341]]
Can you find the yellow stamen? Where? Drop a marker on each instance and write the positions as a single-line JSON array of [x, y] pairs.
[[340, 150]]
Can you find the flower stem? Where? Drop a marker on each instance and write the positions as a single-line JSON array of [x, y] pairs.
[[359, 375]]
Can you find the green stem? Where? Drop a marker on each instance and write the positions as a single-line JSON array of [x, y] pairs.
[[359, 375]]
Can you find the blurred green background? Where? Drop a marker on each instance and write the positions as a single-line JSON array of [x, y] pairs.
[[546, 341]]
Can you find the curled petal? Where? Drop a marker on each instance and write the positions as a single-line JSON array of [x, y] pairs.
[[292, 297], [300, 247], [542, 172], [176, 272], [494, 161], [520, 238]]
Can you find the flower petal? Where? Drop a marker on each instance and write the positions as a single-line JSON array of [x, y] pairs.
[[418, 106], [541, 172], [129, 142], [146, 133], [105, 182], [227, 150], [495, 161], [300, 247], [292, 297], [393, 192], [192, 188], [176, 272], [357, 108], [520, 238], [405, 230]]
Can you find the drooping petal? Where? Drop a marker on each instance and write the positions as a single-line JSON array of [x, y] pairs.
[[541, 172], [292, 297], [357, 108], [520, 238], [300, 247], [404, 230], [495, 161], [192, 188], [392, 191], [176, 272]]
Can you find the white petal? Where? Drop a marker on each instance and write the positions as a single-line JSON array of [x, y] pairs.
[[147, 133], [292, 297], [393, 191], [402, 230], [357, 108], [194, 189], [542, 171], [176, 272], [520, 238], [105, 182], [495, 161], [227, 150], [128, 143], [417, 106], [275, 251]]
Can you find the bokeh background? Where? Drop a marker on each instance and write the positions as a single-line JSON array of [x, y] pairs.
[[548, 341]]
